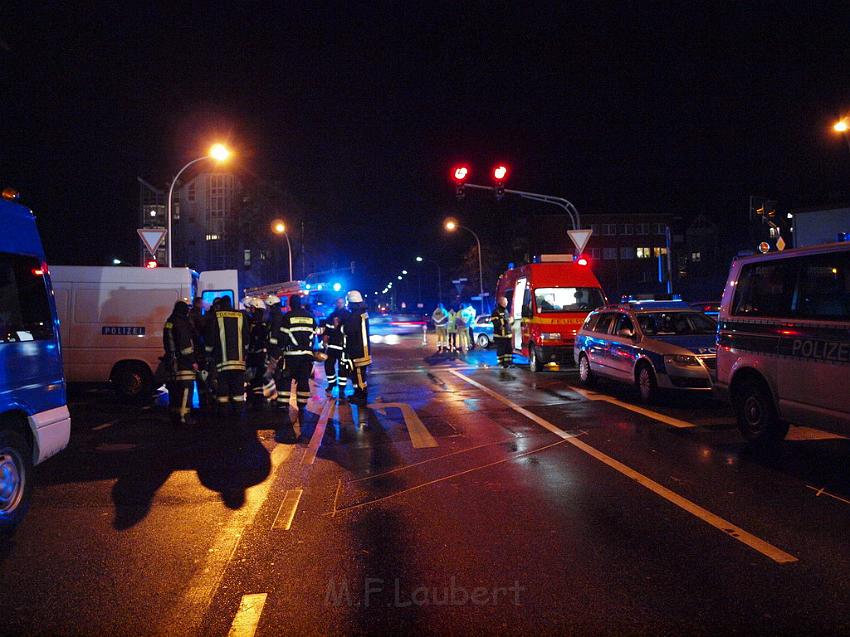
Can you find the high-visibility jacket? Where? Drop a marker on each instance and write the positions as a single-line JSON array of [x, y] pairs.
[[296, 333], [333, 329], [501, 322], [451, 324], [227, 339], [356, 332], [439, 317], [177, 336]]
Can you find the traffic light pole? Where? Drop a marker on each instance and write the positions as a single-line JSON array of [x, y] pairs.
[[562, 203]]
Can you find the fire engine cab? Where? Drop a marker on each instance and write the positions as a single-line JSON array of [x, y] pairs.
[[548, 302]]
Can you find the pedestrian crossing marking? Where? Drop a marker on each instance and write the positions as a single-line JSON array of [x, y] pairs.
[[248, 615]]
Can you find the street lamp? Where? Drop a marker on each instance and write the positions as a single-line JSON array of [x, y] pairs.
[[219, 153], [451, 224], [842, 126], [439, 277], [279, 227]]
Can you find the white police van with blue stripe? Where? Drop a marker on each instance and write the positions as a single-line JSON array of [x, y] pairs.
[[651, 343], [784, 341]]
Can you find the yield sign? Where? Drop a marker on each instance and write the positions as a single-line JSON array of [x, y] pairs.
[[152, 238], [580, 238]]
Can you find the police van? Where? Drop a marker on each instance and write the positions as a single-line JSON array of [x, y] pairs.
[[783, 339], [112, 318], [34, 419]]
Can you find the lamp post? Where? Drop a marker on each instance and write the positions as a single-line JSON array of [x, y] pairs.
[[842, 126], [451, 225], [439, 277], [279, 227], [219, 153]]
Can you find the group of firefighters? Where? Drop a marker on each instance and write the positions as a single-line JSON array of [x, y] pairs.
[[268, 348]]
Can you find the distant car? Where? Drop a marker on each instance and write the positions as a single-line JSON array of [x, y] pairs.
[[651, 344], [398, 324], [712, 308], [482, 331]]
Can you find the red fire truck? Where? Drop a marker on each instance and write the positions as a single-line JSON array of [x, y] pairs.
[[548, 302]]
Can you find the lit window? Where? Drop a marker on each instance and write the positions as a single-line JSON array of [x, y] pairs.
[[696, 257], [212, 237], [247, 259], [657, 252], [643, 253]]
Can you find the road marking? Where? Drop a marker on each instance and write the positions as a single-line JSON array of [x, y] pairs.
[[449, 477], [823, 491], [283, 519], [416, 429], [810, 433], [248, 615], [414, 370], [667, 420], [766, 549], [204, 584], [105, 425], [318, 433]]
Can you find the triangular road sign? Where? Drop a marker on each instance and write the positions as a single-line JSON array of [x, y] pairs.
[[152, 238], [580, 238]]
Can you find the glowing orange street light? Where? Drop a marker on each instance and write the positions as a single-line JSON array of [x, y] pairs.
[[450, 224], [841, 126], [279, 228]]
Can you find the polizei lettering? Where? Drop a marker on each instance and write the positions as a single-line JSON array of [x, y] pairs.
[[836, 351], [118, 330]]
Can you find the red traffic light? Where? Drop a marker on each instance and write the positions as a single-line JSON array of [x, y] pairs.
[[500, 173], [151, 264], [460, 173]]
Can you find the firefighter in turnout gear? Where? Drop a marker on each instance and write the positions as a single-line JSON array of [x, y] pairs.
[[502, 332], [177, 336], [257, 348], [297, 331], [334, 344], [226, 341], [275, 318], [355, 329]]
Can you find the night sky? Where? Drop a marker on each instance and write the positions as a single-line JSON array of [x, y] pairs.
[[360, 110]]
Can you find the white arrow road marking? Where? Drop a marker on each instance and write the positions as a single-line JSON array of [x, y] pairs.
[[766, 549], [419, 434]]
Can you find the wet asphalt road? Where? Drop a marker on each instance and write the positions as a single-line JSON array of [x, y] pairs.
[[459, 502]]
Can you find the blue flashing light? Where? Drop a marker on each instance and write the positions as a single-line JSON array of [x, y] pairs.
[[308, 286], [337, 287]]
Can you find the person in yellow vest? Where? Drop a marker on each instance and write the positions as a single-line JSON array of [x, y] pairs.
[[451, 329], [440, 318]]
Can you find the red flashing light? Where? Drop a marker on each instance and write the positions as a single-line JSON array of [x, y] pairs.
[[151, 264], [500, 173], [40, 271], [460, 173], [582, 261]]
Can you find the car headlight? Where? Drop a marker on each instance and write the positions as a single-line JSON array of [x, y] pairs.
[[550, 336], [681, 360]]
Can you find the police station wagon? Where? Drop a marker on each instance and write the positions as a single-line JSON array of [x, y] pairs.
[[652, 344], [784, 341]]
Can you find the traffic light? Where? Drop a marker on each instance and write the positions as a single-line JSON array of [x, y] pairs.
[[459, 176], [500, 175]]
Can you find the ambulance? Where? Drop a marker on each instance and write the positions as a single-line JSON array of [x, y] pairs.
[[548, 301]]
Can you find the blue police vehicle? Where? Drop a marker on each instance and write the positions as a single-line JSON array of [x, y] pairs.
[[650, 343], [34, 419]]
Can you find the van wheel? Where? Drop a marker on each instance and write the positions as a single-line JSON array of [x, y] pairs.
[[15, 480], [585, 374], [647, 383], [534, 363], [757, 418], [133, 381], [483, 341]]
